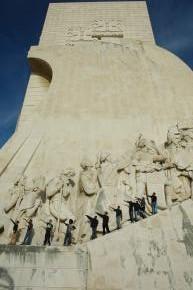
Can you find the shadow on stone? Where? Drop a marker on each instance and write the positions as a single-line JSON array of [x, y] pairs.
[[6, 281]]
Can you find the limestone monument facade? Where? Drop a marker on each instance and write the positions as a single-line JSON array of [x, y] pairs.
[[107, 117]]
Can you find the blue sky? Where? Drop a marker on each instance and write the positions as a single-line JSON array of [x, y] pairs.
[[21, 23]]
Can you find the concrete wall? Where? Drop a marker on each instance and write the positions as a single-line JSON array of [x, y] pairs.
[[155, 254], [23, 267]]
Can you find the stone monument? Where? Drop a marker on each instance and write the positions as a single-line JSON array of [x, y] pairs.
[[92, 132]]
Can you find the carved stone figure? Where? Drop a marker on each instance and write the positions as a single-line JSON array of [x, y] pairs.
[[32, 198], [58, 191], [98, 188], [148, 161], [108, 176], [88, 178], [88, 194], [112, 190], [186, 131], [127, 184], [179, 148], [106, 183], [174, 140], [16, 193], [26, 198]]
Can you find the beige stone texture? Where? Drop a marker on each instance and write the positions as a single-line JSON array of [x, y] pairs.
[[152, 254], [156, 253], [85, 96], [97, 81], [102, 95], [70, 22], [42, 268]]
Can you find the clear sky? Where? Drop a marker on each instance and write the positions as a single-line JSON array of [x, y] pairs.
[[21, 23]]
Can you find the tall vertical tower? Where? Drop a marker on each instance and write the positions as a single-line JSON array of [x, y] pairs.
[[97, 81]]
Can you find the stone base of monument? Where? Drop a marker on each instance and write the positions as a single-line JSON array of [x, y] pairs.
[[32, 267], [156, 253]]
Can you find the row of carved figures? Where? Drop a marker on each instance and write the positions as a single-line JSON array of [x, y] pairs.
[[105, 182]]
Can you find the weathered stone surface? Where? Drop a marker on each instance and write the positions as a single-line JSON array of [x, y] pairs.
[[25, 267], [156, 253], [101, 96], [70, 22], [98, 81]]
